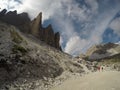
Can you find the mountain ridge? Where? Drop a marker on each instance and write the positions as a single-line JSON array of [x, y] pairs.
[[102, 51], [34, 27]]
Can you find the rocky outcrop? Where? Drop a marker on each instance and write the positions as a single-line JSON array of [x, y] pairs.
[[45, 34], [34, 27], [19, 20], [2, 13]]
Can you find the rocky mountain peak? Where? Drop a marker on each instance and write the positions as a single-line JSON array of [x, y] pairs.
[[2, 13], [36, 24], [34, 27]]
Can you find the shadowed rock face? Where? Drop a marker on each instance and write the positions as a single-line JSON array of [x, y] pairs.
[[23, 22], [19, 20], [2, 13], [57, 39], [49, 38]]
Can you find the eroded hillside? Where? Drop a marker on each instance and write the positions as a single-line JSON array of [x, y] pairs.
[[28, 63]]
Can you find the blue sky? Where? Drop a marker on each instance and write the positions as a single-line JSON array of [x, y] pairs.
[[82, 23]]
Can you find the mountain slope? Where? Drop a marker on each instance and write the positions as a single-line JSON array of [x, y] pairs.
[[99, 52], [28, 63]]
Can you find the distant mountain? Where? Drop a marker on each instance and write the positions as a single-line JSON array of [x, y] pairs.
[[99, 52]]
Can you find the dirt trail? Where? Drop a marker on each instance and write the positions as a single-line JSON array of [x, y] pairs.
[[107, 80]]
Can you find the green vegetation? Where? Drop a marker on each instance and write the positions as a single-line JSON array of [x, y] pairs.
[[18, 40], [19, 48], [16, 37]]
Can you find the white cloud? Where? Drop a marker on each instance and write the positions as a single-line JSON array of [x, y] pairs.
[[75, 45], [93, 5], [118, 42], [9, 4], [115, 25]]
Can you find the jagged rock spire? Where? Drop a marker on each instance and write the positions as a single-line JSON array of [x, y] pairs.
[[45, 34], [34, 27]]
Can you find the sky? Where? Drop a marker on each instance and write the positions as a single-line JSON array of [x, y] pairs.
[[81, 23]]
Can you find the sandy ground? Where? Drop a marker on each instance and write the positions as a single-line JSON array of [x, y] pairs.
[[106, 80]]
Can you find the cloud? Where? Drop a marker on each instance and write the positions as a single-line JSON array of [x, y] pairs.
[[93, 4], [9, 4], [80, 22], [118, 42], [115, 25], [93, 31], [75, 45]]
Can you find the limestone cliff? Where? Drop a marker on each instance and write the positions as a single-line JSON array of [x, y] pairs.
[[34, 27], [45, 34]]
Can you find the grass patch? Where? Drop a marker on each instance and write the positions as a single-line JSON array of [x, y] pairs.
[[19, 48], [16, 37]]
